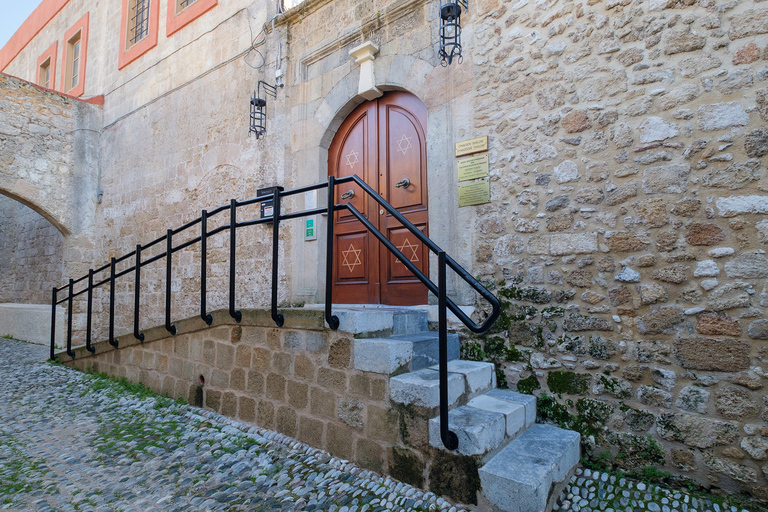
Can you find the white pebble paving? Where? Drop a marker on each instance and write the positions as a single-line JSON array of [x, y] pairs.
[[591, 491]]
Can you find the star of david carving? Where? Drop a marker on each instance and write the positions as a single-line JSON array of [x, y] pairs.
[[352, 158], [347, 253], [404, 144], [412, 247]]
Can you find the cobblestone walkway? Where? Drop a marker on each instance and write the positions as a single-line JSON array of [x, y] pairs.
[[71, 442]]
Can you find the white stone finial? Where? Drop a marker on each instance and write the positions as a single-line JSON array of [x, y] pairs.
[[365, 54]]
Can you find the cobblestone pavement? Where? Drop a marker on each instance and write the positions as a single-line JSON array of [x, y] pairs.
[[72, 442], [592, 491]]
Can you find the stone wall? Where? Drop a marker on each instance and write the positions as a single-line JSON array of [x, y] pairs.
[[49, 164], [31, 255], [629, 222], [298, 380]]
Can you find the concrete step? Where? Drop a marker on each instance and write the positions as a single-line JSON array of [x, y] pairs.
[[401, 353], [422, 387], [381, 321], [530, 472], [515, 420]]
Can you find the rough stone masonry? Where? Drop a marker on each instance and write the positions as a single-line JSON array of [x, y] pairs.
[[48, 181], [630, 221]]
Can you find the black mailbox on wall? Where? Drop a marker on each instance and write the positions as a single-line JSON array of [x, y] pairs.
[[267, 206]]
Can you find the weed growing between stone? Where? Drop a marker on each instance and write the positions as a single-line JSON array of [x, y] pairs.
[[649, 487], [527, 324], [19, 473], [119, 386]]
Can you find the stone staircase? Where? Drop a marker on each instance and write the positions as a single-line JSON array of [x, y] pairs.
[[525, 466]]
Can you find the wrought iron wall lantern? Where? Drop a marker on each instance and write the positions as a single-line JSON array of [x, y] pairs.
[[450, 30], [259, 108]]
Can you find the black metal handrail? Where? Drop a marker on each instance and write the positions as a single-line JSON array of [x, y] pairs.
[[440, 289]]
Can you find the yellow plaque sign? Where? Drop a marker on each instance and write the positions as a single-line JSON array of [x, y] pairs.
[[473, 167], [477, 192], [469, 147]]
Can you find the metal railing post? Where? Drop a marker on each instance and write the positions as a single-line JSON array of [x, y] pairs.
[[168, 257], [450, 440], [71, 287], [237, 315], [208, 319], [89, 313], [136, 297], [53, 322], [333, 321], [112, 340], [278, 318]]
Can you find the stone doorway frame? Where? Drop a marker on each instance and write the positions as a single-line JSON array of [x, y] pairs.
[[415, 76]]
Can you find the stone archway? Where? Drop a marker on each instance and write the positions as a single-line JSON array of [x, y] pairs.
[[423, 80], [49, 163], [31, 196]]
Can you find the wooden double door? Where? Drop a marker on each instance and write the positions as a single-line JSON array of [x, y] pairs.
[[384, 143]]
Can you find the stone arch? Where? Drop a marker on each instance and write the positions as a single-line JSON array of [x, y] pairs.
[[398, 73], [31, 196], [50, 158]]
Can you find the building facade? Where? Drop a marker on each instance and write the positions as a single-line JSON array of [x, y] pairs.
[[627, 219]]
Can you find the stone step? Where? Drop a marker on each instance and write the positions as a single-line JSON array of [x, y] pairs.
[[381, 321], [527, 401], [487, 421], [422, 387], [515, 420], [478, 376], [479, 431], [401, 353], [531, 471]]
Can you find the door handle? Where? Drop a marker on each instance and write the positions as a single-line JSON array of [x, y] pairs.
[[348, 195], [403, 184]]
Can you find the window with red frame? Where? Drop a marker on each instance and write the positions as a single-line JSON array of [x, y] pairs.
[[44, 75], [138, 29], [183, 12], [74, 58], [46, 67]]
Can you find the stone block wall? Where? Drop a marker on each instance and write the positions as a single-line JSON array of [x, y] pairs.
[[297, 380], [629, 222]]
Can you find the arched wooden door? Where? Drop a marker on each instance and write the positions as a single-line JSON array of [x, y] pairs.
[[384, 143]]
